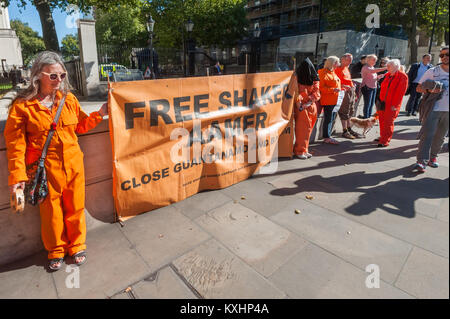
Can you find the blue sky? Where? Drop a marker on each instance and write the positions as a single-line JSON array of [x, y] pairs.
[[30, 15]]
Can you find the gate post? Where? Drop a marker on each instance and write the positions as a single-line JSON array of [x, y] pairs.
[[89, 59]]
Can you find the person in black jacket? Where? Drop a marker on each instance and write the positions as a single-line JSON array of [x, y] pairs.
[[415, 73], [356, 69]]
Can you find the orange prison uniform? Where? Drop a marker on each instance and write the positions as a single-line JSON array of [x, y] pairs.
[[392, 90], [63, 225], [305, 120]]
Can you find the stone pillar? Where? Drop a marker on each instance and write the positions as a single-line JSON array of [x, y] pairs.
[[88, 55]]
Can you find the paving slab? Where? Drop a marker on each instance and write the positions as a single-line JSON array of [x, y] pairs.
[[425, 275], [351, 241], [425, 232], [315, 273], [162, 235], [111, 265], [254, 191], [27, 279], [258, 241], [164, 284], [198, 204], [216, 273]]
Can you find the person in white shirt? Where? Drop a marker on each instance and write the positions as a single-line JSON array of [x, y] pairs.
[[415, 73], [437, 122]]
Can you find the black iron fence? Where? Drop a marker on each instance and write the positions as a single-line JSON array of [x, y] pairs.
[[172, 62]]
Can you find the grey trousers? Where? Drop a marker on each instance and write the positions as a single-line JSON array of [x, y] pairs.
[[431, 141]]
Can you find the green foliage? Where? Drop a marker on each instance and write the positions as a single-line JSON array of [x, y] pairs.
[[216, 22], [69, 47], [123, 26], [30, 40], [393, 12]]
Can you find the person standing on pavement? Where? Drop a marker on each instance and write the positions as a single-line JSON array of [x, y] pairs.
[[305, 110], [415, 73], [330, 86], [356, 69], [435, 126], [392, 91], [31, 115], [347, 108], [369, 84]]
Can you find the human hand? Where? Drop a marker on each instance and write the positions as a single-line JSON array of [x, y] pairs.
[[103, 109], [13, 188], [379, 76]]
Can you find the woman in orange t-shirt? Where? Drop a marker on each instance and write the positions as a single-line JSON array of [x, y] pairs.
[[330, 86], [63, 225]]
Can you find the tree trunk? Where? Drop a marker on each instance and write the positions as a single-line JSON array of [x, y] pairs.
[[413, 33], [48, 25]]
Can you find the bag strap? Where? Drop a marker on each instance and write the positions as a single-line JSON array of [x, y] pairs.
[[52, 130]]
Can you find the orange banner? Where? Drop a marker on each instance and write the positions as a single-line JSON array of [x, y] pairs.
[[173, 138]]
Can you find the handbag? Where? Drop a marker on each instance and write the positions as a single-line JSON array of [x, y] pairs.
[[381, 105], [36, 189]]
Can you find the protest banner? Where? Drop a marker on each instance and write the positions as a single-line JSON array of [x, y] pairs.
[[172, 138]]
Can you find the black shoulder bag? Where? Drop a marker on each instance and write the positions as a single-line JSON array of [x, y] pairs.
[[36, 189], [381, 105]]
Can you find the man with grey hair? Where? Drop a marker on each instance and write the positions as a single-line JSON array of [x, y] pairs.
[[435, 126], [347, 108], [415, 73]]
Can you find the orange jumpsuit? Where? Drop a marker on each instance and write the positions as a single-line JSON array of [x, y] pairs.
[[305, 120], [63, 225]]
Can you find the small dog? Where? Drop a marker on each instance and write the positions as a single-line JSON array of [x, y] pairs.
[[365, 124]]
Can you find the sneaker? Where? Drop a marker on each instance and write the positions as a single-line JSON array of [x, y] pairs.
[[309, 155], [355, 134], [348, 135], [382, 145], [419, 167], [302, 156], [433, 163], [413, 114]]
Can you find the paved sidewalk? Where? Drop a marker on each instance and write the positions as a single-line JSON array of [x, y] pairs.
[[365, 208]]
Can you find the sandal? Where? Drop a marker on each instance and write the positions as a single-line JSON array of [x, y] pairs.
[[54, 261], [330, 141], [80, 254]]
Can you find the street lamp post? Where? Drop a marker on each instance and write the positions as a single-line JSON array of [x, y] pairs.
[[150, 26], [318, 33], [255, 48], [189, 27]]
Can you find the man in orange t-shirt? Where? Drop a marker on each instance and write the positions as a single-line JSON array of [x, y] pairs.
[[347, 108]]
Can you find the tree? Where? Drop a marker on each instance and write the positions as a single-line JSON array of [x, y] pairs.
[[69, 46], [124, 26], [30, 40], [410, 14], [219, 22], [45, 8]]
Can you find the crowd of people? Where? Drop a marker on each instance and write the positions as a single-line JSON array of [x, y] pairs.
[[333, 89], [35, 112]]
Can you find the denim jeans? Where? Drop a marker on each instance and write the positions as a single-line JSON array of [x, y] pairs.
[[328, 120], [369, 95], [432, 139]]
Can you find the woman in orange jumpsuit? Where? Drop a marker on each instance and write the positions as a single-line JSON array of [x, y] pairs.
[[392, 91], [63, 226], [305, 110]]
